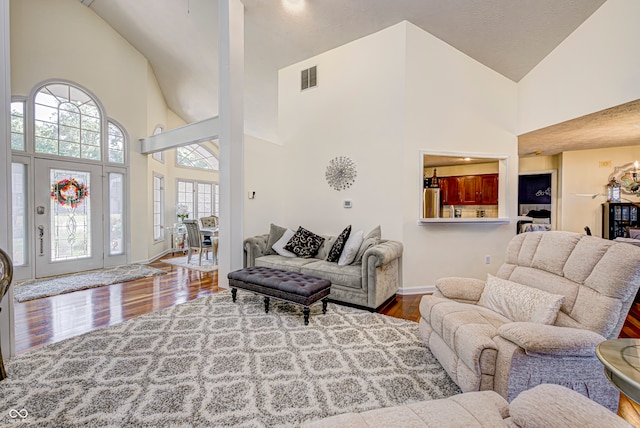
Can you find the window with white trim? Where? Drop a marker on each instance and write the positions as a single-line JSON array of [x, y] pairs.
[[116, 213], [158, 207], [196, 156], [199, 197], [116, 143], [17, 126], [216, 203], [19, 213], [159, 156], [67, 122]]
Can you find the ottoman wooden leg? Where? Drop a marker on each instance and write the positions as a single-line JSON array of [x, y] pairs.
[[266, 305], [324, 305], [306, 312], [234, 291]]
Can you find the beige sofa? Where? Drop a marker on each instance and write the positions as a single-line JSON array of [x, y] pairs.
[[369, 284], [544, 406], [484, 350]]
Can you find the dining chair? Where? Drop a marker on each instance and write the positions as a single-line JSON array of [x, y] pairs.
[[211, 221], [195, 241]]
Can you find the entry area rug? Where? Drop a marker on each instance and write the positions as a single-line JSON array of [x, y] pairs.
[[38, 288], [214, 363], [207, 265]]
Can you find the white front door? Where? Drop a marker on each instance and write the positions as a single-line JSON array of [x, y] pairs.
[[68, 217]]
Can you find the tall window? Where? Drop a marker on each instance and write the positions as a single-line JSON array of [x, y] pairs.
[[116, 143], [205, 199], [196, 156], [158, 207], [116, 213], [199, 197], [17, 125], [186, 195], [159, 156], [19, 213]]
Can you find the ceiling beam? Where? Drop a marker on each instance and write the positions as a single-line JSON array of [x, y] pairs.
[[198, 132]]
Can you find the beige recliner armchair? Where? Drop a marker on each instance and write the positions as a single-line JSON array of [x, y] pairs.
[[483, 349]]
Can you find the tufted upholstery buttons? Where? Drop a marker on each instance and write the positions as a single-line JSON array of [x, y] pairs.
[[292, 287]]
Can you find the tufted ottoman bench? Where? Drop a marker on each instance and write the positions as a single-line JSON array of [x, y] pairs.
[[291, 287]]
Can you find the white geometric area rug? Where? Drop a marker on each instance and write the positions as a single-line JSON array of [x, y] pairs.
[[206, 266], [38, 288], [214, 363]]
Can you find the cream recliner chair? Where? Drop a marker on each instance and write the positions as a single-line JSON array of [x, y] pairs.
[[482, 349]]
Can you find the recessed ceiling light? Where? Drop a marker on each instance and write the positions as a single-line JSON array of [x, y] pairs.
[[466, 159], [293, 6]]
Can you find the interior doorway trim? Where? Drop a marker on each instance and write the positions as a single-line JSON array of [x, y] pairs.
[[556, 223]]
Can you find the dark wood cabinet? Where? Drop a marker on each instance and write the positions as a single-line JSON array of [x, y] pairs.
[[470, 190], [617, 217], [489, 189], [449, 190]]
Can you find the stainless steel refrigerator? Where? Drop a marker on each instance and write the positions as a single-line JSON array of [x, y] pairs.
[[431, 206]]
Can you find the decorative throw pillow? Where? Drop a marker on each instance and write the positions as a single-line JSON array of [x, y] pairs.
[[519, 302], [336, 249], [304, 243], [372, 238], [275, 233], [351, 248], [279, 245]]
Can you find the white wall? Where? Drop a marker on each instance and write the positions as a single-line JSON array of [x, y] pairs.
[[595, 68], [581, 211], [380, 100], [263, 174], [356, 111], [453, 104]]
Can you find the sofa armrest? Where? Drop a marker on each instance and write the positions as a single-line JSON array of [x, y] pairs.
[[544, 339], [254, 247], [382, 253], [549, 405], [461, 289]]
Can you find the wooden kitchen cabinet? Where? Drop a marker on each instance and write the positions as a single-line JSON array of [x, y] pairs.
[[449, 190], [489, 189], [470, 190]]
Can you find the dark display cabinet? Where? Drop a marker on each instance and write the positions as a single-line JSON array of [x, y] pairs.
[[617, 217]]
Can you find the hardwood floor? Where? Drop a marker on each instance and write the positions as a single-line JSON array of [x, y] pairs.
[[51, 319], [44, 321]]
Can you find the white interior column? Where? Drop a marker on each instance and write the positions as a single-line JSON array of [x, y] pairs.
[[231, 114], [7, 341]]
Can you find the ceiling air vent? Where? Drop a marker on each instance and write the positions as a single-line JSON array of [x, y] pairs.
[[309, 78]]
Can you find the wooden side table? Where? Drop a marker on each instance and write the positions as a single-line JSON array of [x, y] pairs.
[[621, 359]]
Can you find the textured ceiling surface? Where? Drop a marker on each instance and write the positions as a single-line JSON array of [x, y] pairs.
[[614, 127], [179, 37]]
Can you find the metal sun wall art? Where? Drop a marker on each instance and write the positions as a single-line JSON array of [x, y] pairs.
[[341, 173]]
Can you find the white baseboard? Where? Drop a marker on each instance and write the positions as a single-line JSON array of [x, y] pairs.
[[154, 258], [425, 289]]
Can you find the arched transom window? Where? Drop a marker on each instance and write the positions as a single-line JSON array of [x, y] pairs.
[[68, 122], [197, 156]]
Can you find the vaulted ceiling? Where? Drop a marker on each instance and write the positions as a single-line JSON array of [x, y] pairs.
[[179, 38]]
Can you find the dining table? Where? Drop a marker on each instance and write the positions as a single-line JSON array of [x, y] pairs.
[[212, 234]]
